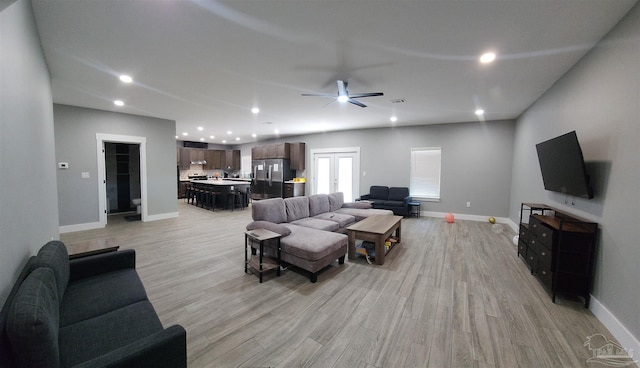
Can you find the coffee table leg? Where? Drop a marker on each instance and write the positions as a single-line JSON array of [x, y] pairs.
[[352, 245], [380, 249]]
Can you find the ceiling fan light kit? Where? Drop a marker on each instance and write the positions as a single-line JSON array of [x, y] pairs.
[[344, 96]]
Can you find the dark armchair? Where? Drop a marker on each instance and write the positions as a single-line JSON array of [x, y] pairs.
[[395, 199]]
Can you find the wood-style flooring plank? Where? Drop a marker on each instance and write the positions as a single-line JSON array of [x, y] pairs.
[[449, 295]]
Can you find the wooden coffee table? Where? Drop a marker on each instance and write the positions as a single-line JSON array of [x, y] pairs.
[[91, 247], [375, 229]]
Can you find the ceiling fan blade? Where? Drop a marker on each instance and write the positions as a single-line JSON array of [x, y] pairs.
[[356, 102], [342, 88], [318, 95], [372, 94]]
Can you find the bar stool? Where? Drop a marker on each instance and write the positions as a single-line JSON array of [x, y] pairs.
[[209, 197], [233, 194], [189, 194]]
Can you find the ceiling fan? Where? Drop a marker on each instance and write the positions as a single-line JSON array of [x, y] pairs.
[[344, 96]]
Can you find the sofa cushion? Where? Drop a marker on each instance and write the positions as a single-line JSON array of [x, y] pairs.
[[360, 204], [394, 203], [272, 210], [378, 192], [93, 337], [54, 255], [336, 200], [318, 203], [311, 244], [276, 228], [297, 208], [361, 214], [93, 296], [398, 193], [342, 219], [316, 223], [32, 321]]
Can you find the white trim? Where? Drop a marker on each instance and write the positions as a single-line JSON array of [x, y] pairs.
[[80, 227], [162, 216], [617, 329], [356, 167], [101, 138], [462, 216]]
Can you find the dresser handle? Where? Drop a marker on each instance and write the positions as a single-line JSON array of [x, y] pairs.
[[544, 272], [544, 234], [534, 226], [544, 254], [533, 242]]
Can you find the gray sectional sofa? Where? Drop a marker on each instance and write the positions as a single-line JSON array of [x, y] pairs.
[[88, 312], [313, 228]]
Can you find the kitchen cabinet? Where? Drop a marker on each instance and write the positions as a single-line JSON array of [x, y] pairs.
[[559, 249], [213, 158], [297, 155], [231, 159], [281, 150], [196, 154], [184, 158]]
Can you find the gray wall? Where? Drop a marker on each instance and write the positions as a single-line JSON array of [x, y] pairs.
[[476, 161], [28, 200], [600, 99], [75, 139]]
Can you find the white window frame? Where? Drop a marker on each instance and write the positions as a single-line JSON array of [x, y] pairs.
[[425, 173]]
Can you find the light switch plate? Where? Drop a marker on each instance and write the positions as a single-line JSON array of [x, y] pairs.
[[63, 165], [85, 175]]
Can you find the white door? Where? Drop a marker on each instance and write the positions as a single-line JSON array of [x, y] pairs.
[[336, 172]]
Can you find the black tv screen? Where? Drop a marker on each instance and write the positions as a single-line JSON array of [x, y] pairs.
[[562, 166]]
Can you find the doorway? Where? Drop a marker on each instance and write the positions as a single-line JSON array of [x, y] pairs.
[[336, 170], [136, 148], [122, 170]]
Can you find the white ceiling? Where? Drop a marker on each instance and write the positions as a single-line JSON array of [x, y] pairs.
[[207, 63]]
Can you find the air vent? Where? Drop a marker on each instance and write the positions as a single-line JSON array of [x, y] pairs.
[[398, 100]]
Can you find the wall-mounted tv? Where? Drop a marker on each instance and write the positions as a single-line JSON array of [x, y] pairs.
[[562, 166]]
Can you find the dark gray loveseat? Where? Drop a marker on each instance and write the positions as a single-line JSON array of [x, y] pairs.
[[88, 312], [395, 199]]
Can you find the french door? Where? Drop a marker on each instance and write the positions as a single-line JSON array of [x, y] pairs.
[[336, 170]]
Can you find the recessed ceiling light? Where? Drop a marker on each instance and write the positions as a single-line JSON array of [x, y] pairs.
[[255, 110], [118, 103], [200, 128], [224, 141], [211, 137], [479, 112], [229, 132], [202, 139], [393, 119], [237, 138], [487, 57], [254, 135], [126, 79], [185, 134], [276, 131], [176, 137]]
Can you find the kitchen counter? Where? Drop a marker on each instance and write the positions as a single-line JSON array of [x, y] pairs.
[[224, 182], [239, 179]]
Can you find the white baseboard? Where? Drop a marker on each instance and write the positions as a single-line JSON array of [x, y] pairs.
[[80, 227], [617, 329], [479, 218], [162, 216]]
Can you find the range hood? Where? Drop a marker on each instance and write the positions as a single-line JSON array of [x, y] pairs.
[[201, 162]]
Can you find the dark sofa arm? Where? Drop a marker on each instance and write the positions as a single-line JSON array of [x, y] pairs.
[[365, 197], [166, 348], [407, 200], [101, 263]]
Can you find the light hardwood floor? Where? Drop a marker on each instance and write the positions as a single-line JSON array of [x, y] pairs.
[[450, 295]]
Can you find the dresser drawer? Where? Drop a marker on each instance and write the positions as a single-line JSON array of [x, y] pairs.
[[541, 231], [544, 274], [542, 252]]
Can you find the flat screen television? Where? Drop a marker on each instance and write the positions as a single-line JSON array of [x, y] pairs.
[[562, 166]]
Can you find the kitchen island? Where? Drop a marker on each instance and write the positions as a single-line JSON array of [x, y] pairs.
[[226, 191]]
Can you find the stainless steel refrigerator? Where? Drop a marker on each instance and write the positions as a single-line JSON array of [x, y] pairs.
[[269, 177]]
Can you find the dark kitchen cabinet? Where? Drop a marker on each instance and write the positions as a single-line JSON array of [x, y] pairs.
[[196, 154], [231, 159], [213, 158], [559, 248], [297, 155], [184, 158]]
